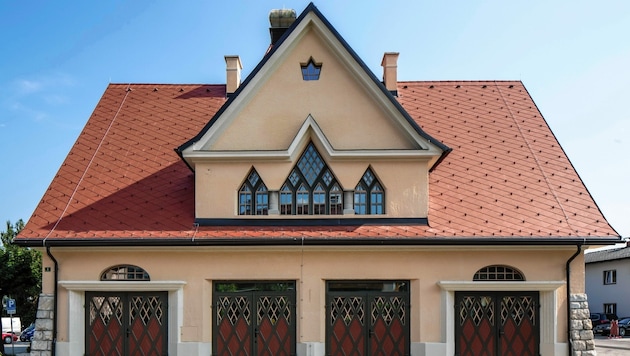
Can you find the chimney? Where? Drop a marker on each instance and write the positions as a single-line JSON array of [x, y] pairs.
[[280, 21], [233, 68], [390, 72]]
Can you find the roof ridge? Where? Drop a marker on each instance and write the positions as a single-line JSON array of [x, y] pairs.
[[449, 81], [173, 84]]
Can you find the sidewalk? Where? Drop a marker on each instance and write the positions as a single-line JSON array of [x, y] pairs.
[[612, 347]]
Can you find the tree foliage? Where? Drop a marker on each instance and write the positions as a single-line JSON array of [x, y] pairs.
[[20, 273]]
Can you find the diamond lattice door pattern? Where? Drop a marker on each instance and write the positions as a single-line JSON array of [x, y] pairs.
[[126, 323], [497, 323], [254, 319], [367, 318]]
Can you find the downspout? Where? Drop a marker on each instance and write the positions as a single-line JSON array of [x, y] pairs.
[[56, 292], [568, 269]]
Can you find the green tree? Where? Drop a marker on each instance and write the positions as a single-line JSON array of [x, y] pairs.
[[20, 273]]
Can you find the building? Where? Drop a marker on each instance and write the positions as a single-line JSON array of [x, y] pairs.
[[314, 209], [608, 280]]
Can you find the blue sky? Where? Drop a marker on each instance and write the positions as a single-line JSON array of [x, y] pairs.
[[59, 56]]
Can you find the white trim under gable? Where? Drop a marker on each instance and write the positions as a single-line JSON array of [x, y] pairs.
[[309, 130]]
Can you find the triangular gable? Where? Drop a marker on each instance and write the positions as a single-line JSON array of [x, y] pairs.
[[391, 131]]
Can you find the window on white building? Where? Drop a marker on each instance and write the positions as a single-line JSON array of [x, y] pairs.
[[610, 276]]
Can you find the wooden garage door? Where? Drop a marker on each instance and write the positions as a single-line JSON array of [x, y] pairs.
[[497, 323], [366, 318], [256, 318], [126, 323]]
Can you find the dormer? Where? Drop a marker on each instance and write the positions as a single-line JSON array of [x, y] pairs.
[[312, 134]]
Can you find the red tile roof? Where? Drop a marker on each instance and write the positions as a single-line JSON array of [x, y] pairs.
[[507, 177]]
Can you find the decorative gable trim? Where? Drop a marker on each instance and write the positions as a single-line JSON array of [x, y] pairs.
[[310, 130], [312, 18]]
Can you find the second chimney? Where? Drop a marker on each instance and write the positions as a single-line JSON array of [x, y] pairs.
[[280, 21], [233, 68], [390, 71]]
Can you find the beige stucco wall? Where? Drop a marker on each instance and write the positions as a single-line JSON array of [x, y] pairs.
[[311, 267], [281, 101]]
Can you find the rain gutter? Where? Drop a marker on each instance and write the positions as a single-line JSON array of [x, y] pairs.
[[568, 270], [56, 295], [292, 238]]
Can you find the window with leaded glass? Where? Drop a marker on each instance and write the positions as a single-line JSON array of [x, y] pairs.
[[253, 197], [311, 188], [302, 202], [311, 70], [360, 199], [369, 196], [125, 273], [286, 200], [376, 200], [319, 200], [498, 273], [335, 200]]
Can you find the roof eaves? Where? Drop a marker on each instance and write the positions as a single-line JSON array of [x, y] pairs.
[[295, 240]]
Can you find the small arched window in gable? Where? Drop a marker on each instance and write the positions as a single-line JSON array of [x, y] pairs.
[[253, 197], [369, 196], [311, 70], [498, 273], [125, 273]]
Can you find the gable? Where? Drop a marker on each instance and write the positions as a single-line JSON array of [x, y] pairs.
[[352, 109], [278, 113], [281, 100]]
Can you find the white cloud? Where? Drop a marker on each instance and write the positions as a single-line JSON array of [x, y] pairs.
[[54, 81], [26, 86]]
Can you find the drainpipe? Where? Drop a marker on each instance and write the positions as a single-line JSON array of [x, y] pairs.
[[54, 330], [579, 250]]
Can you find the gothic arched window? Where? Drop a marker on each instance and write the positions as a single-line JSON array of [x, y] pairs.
[[369, 196], [253, 197], [311, 188]]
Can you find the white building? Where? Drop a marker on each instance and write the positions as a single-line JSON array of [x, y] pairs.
[[608, 280]]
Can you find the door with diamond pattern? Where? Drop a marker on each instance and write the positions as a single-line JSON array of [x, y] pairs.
[[129, 323], [497, 323], [367, 318], [254, 319]]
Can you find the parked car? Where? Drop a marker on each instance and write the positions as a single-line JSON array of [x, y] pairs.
[[601, 318], [9, 337], [27, 334], [604, 329]]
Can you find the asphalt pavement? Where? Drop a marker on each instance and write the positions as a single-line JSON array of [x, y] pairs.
[[17, 349], [612, 347], [603, 345]]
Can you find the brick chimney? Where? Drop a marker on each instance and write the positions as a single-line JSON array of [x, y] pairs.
[[233, 68], [390, 71], [280, 20]]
